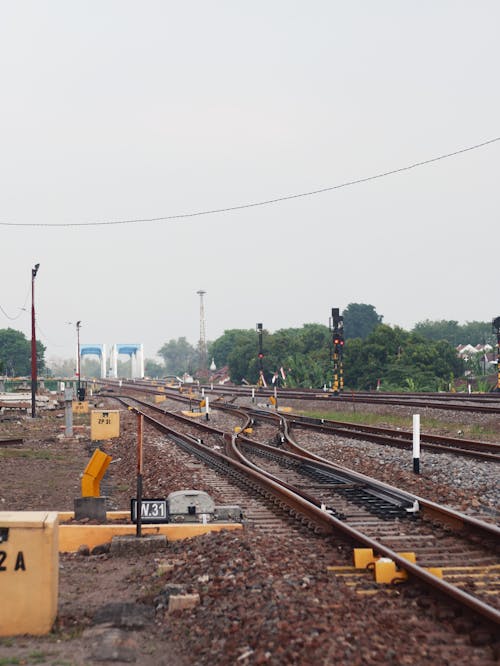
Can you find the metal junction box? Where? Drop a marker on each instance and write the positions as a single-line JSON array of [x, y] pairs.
[[190, 506], [228, 514]]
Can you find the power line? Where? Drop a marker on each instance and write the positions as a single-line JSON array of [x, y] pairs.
[[255, 204], [21, 310]]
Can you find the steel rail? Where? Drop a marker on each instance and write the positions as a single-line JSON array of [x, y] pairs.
[[434, 511], [438, 443], [295, 500]]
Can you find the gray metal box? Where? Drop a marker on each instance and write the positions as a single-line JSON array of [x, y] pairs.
[[190, 506], [228, 514]]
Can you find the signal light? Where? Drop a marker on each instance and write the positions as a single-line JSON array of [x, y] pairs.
[[261, 355], [336, 341]]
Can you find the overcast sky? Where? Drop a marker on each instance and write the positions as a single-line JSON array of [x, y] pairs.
[[116, 110]]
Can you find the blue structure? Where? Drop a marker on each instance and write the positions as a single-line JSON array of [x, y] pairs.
[[94, 350]]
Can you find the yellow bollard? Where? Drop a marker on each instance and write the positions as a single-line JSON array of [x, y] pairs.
[[93, 473]]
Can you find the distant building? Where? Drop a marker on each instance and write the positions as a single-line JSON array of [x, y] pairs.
[[466, 351]]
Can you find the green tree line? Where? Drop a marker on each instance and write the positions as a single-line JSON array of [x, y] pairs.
[[15, 354]]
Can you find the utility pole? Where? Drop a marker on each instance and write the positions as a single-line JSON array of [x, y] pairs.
[[78, 324], [202, 344], [496, 329], [34, 271]]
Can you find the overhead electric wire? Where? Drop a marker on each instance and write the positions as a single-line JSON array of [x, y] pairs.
[[266, 202], [21, 310]]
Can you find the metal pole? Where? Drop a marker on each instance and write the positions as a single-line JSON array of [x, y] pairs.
[[78, 324], [33, 343], [496, 329], [261, 356], [416, 443], [68, 412], [138, 532]]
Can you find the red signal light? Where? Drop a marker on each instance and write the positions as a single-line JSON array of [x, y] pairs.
[[261, 355]]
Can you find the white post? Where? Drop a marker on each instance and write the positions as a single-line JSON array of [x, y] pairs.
[[416, 443], [253, 395], [207, 409], [202, 392], [211, 387], [276, 397], [103, 362]]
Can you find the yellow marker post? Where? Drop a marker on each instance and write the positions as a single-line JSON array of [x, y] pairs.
[[104, 424], [29, 572]]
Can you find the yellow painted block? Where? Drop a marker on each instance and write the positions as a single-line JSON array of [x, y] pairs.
[[363, 557], [65, 516], [94, 472], [203, 403], [160, 398], [192, 414], [386, 571], [237, 429], [71, 537], [284, 409], [80, 407], [104, 424], [411, 557], [30, 572], [248, 431], [435, 571], [272, 399]]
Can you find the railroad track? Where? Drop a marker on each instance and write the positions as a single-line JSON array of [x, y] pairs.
[[485, 403], [333, 500], [380, 435], [400, 438]]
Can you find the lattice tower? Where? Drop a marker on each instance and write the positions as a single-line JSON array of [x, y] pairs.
[[202, 344]]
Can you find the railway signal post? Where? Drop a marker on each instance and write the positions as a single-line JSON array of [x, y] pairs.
[[337, 351], [496, 330], [262, 382]]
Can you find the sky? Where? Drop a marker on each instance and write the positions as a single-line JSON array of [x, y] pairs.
[[121, 110]]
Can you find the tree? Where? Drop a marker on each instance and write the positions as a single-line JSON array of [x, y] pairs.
[[302, 352], [15, 353], [400, 359], [472, 332], [230, 340], [154, 369], [360, 320], [62, 367], [443, 329], [178, 355]]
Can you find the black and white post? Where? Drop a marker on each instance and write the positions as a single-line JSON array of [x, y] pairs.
[[416, 443]]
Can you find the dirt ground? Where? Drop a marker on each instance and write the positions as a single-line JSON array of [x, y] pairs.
[[44, 474]]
